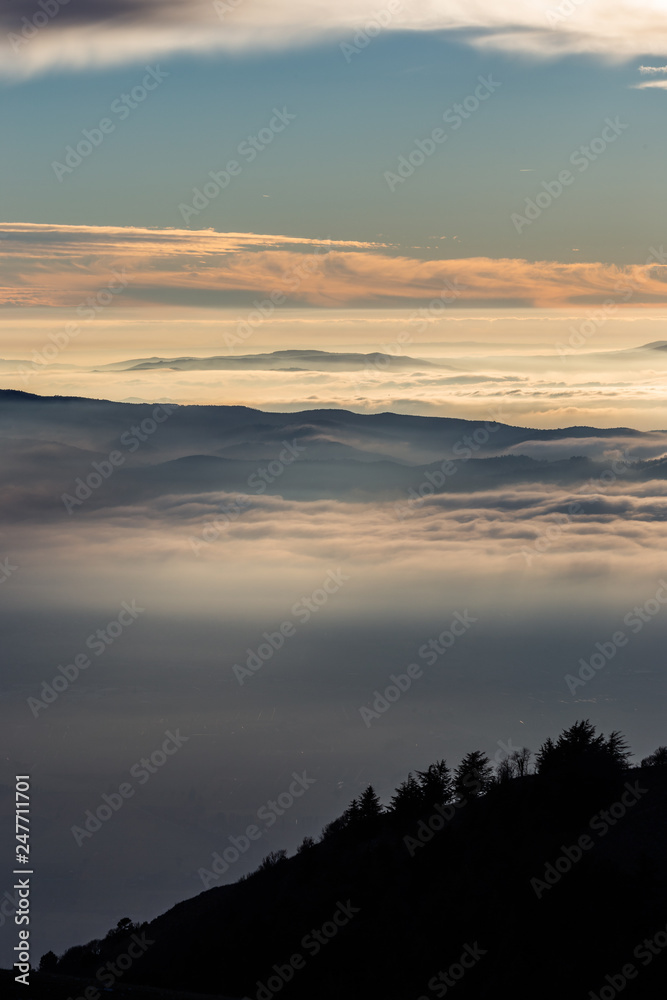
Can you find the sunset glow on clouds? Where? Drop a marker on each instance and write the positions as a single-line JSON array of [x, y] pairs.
[[50, 265]]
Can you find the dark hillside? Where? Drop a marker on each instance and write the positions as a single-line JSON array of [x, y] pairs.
[[519, 884]]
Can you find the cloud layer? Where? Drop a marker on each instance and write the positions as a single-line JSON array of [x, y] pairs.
[[100, 33], [58, 265]]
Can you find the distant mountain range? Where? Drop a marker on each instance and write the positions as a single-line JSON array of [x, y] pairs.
[[50, 441], [656, 345], [291, 361], [295, 360]]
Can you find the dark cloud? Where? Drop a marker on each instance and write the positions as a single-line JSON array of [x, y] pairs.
[[93, 13]]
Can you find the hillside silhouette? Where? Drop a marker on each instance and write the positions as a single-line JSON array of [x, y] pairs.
[[541, 876]]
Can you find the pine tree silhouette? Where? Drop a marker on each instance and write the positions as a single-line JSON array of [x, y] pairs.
[[581, 751], [406, 801], [435, 785], [474, 775]]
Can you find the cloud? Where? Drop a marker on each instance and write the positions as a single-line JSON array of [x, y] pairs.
[[86, 238], [615, 535], [98, 33], [651, 84], [653, 69], [61, 265]]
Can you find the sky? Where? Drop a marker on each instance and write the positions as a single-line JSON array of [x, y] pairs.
[[332, 171], [347, 202], [463, 205]]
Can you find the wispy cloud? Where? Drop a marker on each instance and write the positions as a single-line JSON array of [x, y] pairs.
[[94, 33], [58, 265], [651, 85]]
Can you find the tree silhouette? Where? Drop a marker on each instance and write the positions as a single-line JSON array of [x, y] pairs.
[[333, 828], [352, 813], [406, 801], [473, 776], [521, 760], [479, 858], [272, 859], [48, 962], [435, 785], [362, 814], [505, 771], [370, 807], [515, 765], [618, 749], [582, 751], [122, 928], [656, 759]]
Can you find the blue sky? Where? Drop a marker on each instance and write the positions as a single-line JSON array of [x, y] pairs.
[[324, 177]]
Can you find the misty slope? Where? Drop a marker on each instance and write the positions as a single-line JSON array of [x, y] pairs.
[[50, 444], [215, 429]]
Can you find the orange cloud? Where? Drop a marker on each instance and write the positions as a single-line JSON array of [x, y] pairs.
[[61, 265]]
